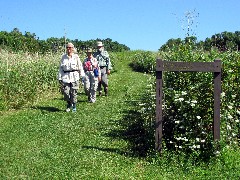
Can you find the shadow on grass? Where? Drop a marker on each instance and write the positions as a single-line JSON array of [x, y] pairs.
[[133, 129], [110, 150], [49, 108]]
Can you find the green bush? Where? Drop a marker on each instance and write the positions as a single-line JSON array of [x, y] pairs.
[[188, 101], [143, 61]]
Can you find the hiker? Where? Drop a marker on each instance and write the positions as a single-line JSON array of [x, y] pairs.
[[92, 75], [104, 62], [70, 71]]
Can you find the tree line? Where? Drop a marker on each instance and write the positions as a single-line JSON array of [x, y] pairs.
[[29, 42], [224, 41]]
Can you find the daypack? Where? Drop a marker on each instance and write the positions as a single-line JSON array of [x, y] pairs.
[[96, 73]]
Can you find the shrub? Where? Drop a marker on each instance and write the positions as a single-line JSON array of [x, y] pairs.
[[188, 101]]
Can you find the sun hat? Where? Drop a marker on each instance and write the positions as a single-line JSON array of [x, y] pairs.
[[89, 50], [99, 43]]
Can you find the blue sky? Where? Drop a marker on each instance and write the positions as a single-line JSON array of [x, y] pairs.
[[139, 24]]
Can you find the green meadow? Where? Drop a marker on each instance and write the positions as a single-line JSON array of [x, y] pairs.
[[114, 137]]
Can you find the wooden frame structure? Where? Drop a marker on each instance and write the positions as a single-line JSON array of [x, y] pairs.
[[174, 66]]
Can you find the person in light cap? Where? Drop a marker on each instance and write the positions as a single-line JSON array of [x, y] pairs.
[[92, 75], [70, 71], [104, 62]]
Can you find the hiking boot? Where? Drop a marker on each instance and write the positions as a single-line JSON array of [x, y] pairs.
[[92, 101], [69, 105], [106, 92], [74, 108], [68, 110]]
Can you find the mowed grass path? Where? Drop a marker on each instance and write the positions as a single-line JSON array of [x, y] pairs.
[[46, 142]]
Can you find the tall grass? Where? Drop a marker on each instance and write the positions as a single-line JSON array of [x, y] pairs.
[[26, 77]]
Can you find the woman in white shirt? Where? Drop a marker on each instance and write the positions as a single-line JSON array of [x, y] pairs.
[[70, 72]]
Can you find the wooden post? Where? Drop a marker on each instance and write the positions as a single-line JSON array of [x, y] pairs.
[[159, 117], [217, 94]]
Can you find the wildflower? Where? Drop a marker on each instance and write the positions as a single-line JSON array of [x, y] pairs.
[[178, 138], [238, 111], [197, 139], [192, 105], [180, 147], [184, 93], [194, 101], [229, 127], [198, 117], [230, 70], [230, 107], [198, 146], [229, 116], [237, 120], [177, 122], [181, 99], [203, 140], [223, 94]]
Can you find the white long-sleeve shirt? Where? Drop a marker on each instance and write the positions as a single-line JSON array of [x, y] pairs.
[[70, 69]]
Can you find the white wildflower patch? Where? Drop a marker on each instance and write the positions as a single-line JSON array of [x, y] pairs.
[[237, 120], [198, 117], [223, 94], [229, 116], [178, 138], [192, 104], [184, 93], [181, 99], [194, 101], [229, 127], [238, 112], [230, 107]]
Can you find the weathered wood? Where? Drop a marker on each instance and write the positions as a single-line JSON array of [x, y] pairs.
[[159, 117], [189, 66], [217, 94]]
